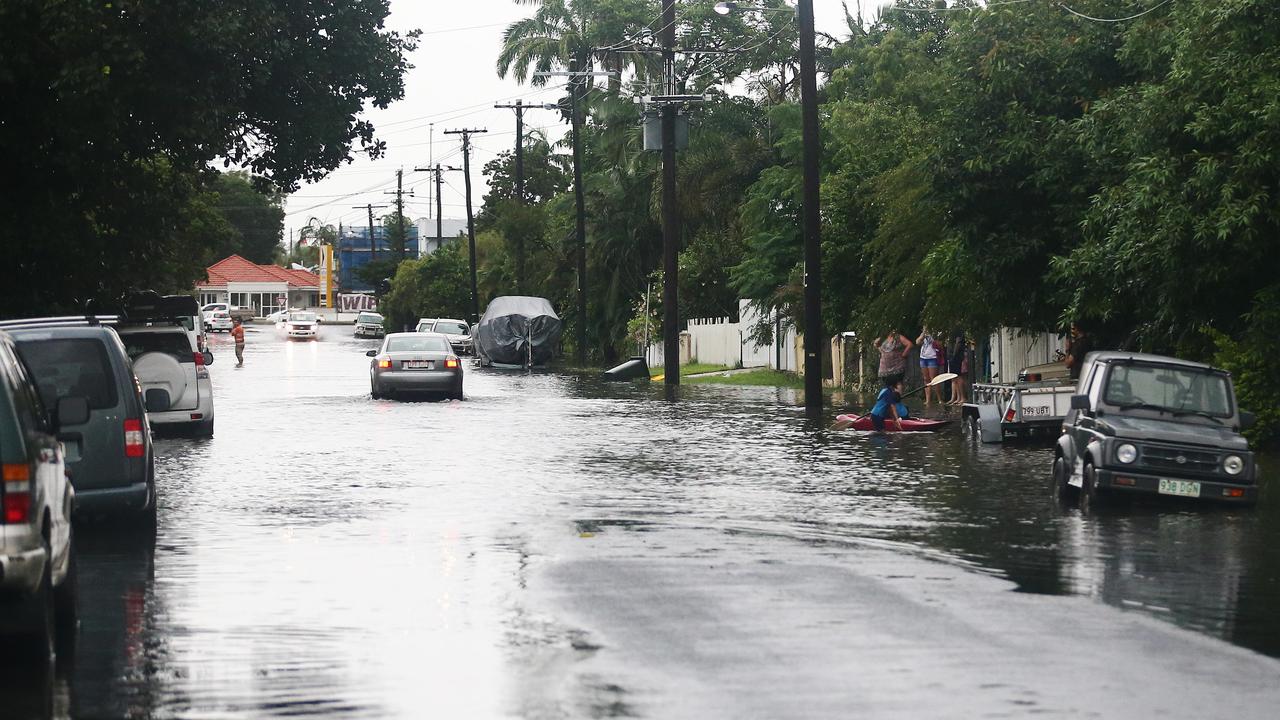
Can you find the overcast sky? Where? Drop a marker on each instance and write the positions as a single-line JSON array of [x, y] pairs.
[[453, 85]]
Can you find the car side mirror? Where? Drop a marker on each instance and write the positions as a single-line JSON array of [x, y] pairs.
[[1079, 402], [371, 353], [157, 400], [1247, 419], [208, 358], [71, 411]]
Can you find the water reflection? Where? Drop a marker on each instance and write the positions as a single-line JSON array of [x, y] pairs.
[[328, 554]]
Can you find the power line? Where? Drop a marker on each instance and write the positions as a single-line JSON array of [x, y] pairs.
[[1114, 20]]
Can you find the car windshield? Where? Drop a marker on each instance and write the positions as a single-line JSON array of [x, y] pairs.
[[302, 317], [371, 318], [451, 328], [175, 344], [1165, 387], [410, 343], [72, 368]]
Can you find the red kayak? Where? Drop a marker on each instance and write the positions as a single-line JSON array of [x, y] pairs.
[[908, 425]]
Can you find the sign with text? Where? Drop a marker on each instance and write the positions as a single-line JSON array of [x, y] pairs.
[[356, 302]]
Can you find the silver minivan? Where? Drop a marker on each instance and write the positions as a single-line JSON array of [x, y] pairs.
[[110, 455]]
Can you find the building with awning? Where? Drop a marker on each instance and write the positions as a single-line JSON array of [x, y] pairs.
[[265, 288]]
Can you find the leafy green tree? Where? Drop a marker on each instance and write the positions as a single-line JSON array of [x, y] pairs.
[[437, 285], [113, 113], [257, 217]]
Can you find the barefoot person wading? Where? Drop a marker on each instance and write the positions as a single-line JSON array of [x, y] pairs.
[[237, 333]]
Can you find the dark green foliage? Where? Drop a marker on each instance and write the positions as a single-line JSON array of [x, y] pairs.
[[434, 286], [113, 112]]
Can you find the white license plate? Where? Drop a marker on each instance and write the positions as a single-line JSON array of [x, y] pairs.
[[419, 364], [1036, 411], [1185, 488]]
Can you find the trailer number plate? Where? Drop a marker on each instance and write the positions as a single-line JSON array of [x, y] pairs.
[[1035, 411], [1185, 488]]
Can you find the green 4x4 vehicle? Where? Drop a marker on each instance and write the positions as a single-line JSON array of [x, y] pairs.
[[1148, 424]]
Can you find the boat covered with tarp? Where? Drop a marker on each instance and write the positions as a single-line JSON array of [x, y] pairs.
[[518, 331]]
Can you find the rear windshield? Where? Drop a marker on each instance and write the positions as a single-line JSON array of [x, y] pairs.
[[417, 344], [174, 344], [452, 328], [72, 368]]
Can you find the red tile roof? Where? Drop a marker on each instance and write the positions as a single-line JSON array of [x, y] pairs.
[[237, 269]]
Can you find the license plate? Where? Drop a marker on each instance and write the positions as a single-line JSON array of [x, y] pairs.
[[1035, 410], [419, 365], [1185, 488]]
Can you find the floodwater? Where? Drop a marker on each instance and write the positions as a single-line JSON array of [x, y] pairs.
[[556, 547]]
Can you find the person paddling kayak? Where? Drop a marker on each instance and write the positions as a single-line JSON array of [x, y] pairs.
[[889, 405]]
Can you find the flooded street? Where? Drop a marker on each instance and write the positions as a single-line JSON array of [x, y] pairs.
[[554, 547]]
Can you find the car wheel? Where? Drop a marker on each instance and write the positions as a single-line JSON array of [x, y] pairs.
[[46, 631], [456, 393], [1061, 479], [1091, 497], [375, 393], [66, 595]]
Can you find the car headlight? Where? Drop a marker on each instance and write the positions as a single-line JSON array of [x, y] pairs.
[[1126, 453], [1233, 464]]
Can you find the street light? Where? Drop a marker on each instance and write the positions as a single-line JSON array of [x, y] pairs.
[[812, 222]]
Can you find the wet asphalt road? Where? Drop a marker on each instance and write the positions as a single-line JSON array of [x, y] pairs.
[[552, 547]]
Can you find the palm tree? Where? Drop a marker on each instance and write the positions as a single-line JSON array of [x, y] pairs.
[[562, 32]]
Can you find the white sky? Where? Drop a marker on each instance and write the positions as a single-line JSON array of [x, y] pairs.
[[453, 85]]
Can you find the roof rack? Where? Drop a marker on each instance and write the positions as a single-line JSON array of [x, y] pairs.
[[63, 321]]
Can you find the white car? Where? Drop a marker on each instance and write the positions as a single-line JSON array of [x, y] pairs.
[[174, 376], [424, 325], [458, 332], [301, 324], [219, 321]]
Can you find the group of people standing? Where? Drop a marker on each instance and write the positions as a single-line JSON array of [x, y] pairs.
[[935, 356]]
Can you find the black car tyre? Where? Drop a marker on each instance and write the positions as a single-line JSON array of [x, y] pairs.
[[456, 393], [1091, 497], [1061, 480], [375, 393], [45, 612]]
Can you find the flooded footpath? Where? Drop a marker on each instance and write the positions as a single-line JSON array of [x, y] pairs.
[[557, 547]]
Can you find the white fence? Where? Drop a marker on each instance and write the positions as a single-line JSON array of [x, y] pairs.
[[718, 341], [1013, 349]]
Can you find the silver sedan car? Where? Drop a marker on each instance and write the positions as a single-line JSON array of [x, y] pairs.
[[415, 362]]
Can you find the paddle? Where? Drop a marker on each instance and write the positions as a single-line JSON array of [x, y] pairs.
[[938, 380]]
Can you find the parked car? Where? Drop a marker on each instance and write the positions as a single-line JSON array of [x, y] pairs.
[[424, 325], [1154, 425], [301, 324], [458, 332], [245, 314], [415, 362], [174, 377], [37, 551], [110, 454], [219, 321], [369, 324]]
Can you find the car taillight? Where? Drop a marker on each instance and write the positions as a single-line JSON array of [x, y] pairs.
[[199, 358], [17, 493], [451, 362], [384, 363], [134, 442]]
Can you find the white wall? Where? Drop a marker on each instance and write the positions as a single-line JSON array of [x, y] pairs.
[[718, 341], [1012, 350]]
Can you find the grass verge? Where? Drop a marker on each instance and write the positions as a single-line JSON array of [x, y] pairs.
[[691, 369], [772, 378]]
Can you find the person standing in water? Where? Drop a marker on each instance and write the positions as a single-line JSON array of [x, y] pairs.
[[237, 334], [929, 364], [894, 349]]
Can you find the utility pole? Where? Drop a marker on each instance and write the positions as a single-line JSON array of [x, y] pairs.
[[471, 224], [520, 107], [813, 339], [398, 248], [438, 171], [373, 242], [670, 212]]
